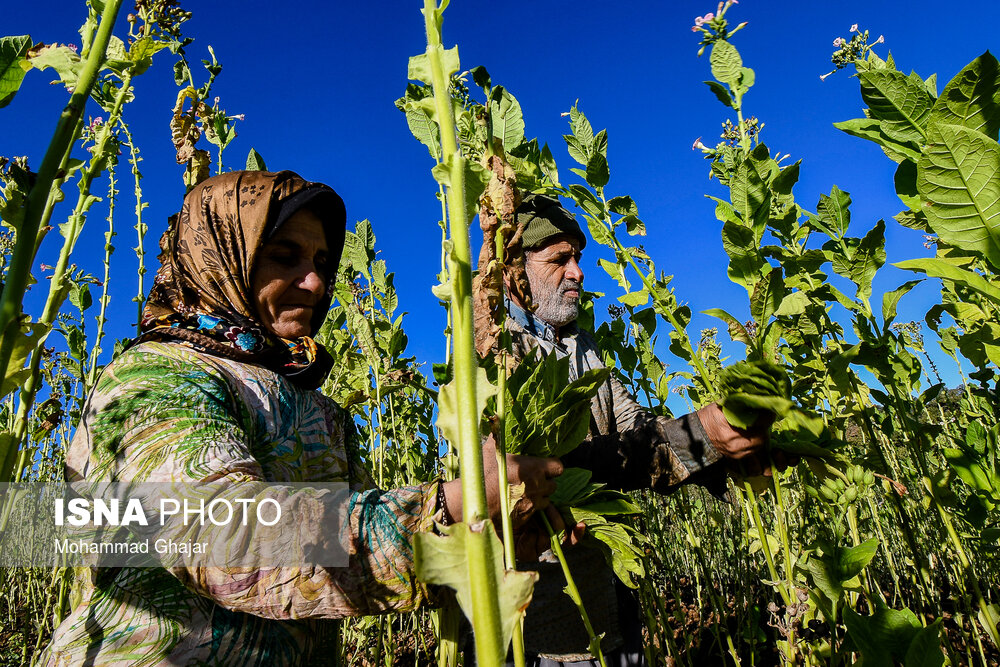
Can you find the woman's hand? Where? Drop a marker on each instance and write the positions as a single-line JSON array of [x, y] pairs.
[[537, 474]]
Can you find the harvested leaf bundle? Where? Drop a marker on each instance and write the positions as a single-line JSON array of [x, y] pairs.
[[749, 389], [549, 415]]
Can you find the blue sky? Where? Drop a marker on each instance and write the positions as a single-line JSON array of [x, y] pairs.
[[317, 82]]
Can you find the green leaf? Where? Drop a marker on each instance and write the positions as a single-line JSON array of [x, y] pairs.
[[721, 92], [599, 232], [13, 66], [886, 634], [891, 299], [925, 649], [972, 98], [767, 296], [586, 200], [444, 560], [634, 226], [581, 128], [635, 299], [255, 162], [870, 129], [547, 164], [598, 173], [449, 400], [833, 213], [62, 59], [623, 206], [571, 486], [423, 127], [863, 259], [749, 193], [727, 66], [940, 268], [900, 103], [745, 261], [508, 121], [854, 559], [959, 177], [476, 180], [793, 304], [737, 331], [481, 78], [24, 344]]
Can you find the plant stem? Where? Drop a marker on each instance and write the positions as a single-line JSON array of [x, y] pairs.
[[573, 592], [485, 601], [64, 136]]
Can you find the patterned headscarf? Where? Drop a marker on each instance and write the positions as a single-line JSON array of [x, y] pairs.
[[203, 293]]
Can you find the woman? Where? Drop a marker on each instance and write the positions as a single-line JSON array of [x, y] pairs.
[[221, 385]]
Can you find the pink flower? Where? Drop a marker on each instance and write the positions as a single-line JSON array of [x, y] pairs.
[[854, 28], [697, 145], [881, 38], [72, 47], [45, 267], [839, 41], [709, 16]]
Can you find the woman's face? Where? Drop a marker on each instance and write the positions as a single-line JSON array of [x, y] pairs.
[[290, 275]]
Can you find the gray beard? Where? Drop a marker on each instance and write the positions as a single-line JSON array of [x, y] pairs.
[[552, 307]]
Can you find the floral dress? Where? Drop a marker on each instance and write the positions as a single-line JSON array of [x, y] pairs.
[[166, 412]]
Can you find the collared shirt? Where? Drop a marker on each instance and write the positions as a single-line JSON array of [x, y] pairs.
[[627, 448]]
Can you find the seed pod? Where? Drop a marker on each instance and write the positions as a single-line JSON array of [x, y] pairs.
[[851, 495], [869, 478], [829, 494]]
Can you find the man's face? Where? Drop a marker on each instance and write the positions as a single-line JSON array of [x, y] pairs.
[[556, 280]]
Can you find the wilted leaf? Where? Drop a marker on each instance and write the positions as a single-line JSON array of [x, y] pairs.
[[62, 59]]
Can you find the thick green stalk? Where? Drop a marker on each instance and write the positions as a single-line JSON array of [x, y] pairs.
[[574, 593], [486, 621], [65, 134]]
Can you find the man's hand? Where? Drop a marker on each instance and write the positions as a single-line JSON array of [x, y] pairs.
[[744, 449]]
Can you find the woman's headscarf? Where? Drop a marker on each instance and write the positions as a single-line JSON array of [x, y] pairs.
[[203, 292]]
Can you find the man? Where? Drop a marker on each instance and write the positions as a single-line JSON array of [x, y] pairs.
[[628, 448]]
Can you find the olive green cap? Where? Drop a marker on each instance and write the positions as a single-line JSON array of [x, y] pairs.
[[545, 218]]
